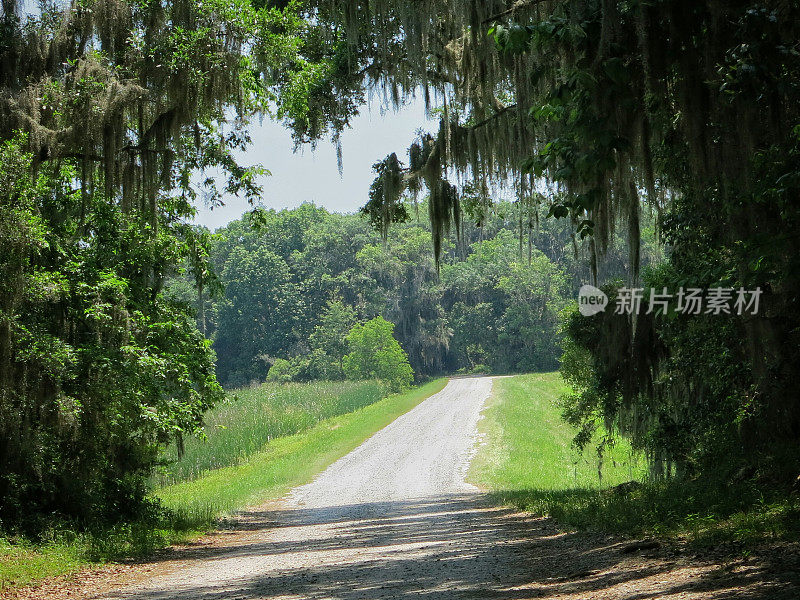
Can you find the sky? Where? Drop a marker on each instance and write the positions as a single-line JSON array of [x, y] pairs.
[[313, 176]]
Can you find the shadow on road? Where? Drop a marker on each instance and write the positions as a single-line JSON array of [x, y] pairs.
[[443, 548]]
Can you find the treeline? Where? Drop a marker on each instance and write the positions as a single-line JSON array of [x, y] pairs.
[[293, 284]]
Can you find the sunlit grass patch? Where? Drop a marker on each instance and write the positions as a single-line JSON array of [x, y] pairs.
[[22, 563], [528, 445], [528, 462]]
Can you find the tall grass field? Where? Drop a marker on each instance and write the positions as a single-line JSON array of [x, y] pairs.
[[251, 417]]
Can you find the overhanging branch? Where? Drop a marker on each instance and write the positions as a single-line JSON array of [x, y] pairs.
[[520, 4]]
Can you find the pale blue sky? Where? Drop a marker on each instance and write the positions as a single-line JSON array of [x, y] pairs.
[[313, 176]]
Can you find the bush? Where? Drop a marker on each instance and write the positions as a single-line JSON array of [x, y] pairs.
[[280, 371], [284, 371], [98, 369], [376, 354]]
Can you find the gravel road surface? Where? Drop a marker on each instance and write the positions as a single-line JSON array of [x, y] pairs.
[[423, 454], [394, 519], [377, 523]]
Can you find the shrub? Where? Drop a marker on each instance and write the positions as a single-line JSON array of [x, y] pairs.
[[280, 371], [376, 354]]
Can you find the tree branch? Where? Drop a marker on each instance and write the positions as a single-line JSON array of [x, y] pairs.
[[494, 116], [516, 6], [139, 148]]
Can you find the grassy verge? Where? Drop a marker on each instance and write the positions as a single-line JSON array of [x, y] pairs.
[[22, 563], [194, 505], [528, 463], [529, 459]]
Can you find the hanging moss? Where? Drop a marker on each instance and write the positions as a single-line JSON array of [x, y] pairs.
[[115, 85], [619, 107], [490, 85], [385, 206]]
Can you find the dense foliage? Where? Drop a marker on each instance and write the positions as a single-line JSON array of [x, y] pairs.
[[710, 392], [600, 110], [108, 110], [97, 373], [297, 281]]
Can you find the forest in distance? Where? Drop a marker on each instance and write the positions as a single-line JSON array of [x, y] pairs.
[[293, 283]]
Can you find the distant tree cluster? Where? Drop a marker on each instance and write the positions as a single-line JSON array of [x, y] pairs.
[[301, 286]]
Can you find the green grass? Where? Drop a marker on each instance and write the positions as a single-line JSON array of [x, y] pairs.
[[22, 563], [192, 506], [62, 551], [529, 448], [528, 462], [251, 417]]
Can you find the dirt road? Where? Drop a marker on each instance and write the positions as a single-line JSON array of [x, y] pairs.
[[395, 519]]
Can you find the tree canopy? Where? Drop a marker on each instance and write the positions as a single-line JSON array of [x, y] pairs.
[[602, 111], [110, 111]]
